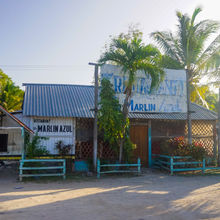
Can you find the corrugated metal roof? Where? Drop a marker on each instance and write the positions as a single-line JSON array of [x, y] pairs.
[[58, 100]]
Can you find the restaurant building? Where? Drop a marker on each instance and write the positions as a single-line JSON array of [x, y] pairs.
[[65, 112]]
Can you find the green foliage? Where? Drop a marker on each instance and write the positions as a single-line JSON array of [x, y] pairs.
[[129, 52], [62, 148], [110, 116], [179, 147], [11, 96], [187, 49], [111, 121], [34, 148], [128, 147], [212, 100]]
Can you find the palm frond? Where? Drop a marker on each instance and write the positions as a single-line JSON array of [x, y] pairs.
[[165, 41]]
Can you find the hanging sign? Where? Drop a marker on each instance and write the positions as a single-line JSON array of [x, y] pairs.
[[169, 97]]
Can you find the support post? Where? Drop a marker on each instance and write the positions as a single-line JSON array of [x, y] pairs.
[[23, 143], [95, 127], [98, 168], [21, 169], [149, 145], [171, 165], [203, 165], [189, 120], [64, 169], [139, 165]]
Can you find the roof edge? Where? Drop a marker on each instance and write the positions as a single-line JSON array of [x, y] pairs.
[[17, 120]]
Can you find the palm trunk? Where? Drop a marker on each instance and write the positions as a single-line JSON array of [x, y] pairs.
[[125, 114], [219, 129]]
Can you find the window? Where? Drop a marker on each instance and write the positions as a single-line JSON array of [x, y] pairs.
[[3, 142]]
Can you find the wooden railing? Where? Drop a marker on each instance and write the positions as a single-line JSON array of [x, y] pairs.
[[172, 163], [46, 168], [116, 168]]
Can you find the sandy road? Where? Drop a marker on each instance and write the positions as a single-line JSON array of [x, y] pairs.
[[150, 196]]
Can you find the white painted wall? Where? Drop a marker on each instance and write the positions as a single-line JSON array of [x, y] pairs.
[[55, 129]]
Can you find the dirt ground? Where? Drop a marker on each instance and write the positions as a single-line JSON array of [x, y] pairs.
[[153, 195]]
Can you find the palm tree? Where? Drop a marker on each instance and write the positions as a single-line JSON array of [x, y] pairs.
[[130, 53], [187, 49]]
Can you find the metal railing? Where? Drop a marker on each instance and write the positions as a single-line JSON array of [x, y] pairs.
[[46, 168]]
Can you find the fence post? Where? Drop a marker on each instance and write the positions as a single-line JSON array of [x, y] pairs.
[[149, 145], [98, 168], [139, 165], [171, 165], [64, 169], [203, 166], [21, 170]]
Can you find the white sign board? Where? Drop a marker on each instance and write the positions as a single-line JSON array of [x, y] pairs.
[[169, 97], [53, 127]]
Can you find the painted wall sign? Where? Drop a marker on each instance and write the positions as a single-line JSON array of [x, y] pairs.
[[169, 97], [52, 127]]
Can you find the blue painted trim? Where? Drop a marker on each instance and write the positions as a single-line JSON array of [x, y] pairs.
[[139, 165], [203, 166], [171, 165], [98, 168]]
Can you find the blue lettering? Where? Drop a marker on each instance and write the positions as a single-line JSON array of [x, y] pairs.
[[117, 83], [131, 104], [141, 107], [136, 107], [152, 107]]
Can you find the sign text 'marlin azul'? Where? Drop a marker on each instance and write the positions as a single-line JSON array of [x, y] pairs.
[[54, 128]]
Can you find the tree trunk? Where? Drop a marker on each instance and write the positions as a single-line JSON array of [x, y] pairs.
[[219, 129], [125, 114]]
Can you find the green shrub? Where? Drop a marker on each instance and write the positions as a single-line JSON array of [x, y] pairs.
[[34, 148], [178, 147], [62, 148]]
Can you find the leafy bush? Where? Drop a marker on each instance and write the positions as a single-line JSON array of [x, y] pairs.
[[34, 147], [113, 128], [178, 147], [62, 148]]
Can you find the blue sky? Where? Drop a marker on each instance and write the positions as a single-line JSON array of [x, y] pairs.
[[52, 41]]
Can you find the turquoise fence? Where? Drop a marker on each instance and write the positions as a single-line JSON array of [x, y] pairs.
[[46, 168], [176, 163], [117, 166]]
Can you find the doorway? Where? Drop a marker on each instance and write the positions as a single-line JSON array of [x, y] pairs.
[[139, 136], [3, 142]]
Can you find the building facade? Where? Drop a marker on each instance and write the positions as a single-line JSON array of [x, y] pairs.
[[65, 112]]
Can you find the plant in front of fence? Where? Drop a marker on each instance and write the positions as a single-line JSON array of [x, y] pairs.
[[35, 148], [113, 127], [178, 147], [63, 149]]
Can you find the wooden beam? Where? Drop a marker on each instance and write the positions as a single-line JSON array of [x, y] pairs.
[[95, 128]]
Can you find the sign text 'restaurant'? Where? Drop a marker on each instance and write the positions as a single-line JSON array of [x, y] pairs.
[[170, 96]]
